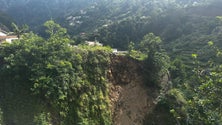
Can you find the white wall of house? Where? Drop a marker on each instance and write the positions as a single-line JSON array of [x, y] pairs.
[[93, 43], [2, 34], [9, 40]]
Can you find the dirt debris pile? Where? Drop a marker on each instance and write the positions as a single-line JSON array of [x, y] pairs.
[[131, 99]]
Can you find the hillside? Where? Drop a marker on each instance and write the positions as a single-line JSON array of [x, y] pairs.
[[86, 15], [84, 85], [50, 81], [36, 12], [5, 21], [111, 62]]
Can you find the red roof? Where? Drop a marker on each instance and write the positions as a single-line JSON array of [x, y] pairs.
[[6, 37]]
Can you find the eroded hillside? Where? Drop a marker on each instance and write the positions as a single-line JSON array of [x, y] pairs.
[[47, 81], [131, 99]]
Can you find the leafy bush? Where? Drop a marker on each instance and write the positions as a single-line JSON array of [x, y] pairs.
[[42, 119]]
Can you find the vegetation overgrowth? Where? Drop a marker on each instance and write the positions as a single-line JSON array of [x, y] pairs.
[[49, 81], [52, 80]]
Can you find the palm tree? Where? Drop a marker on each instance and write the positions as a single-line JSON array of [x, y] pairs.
[[19, 30]]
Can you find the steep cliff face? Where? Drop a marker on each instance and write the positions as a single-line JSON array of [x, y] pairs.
[[130, 98]]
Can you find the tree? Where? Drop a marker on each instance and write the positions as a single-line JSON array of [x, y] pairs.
[[54, 29], [19, 30], [150, 44], [131, 47], [178, 71], [157, 62]]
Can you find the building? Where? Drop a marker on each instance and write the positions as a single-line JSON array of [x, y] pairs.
[[115, 51], [7, 38], [94, 43]]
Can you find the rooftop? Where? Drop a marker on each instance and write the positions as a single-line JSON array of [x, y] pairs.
[[7, 37]]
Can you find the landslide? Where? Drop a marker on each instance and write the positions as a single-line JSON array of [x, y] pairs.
[[132, 101]]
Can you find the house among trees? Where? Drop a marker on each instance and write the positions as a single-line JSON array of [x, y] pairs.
[[6, 38], [93, 43]]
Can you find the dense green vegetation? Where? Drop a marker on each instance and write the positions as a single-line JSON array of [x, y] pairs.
[[196, 95], [49, 80]]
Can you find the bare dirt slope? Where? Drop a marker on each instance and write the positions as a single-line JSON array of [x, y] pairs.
[[131, 99]]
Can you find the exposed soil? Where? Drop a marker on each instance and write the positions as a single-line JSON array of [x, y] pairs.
[[131, 99]]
